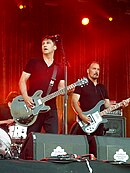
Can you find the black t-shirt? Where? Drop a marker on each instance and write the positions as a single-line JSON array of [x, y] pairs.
[[4, 115], [40, 78], [90, 95]]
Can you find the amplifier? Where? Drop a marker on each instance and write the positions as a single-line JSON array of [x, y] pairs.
[[113, 148], [38, 145], [116, 126]]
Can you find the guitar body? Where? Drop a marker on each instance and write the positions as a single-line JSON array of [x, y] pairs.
[[95, 117], [25, 115]]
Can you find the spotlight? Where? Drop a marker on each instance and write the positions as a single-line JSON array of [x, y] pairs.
[[85, 21], [110, 19], [21, 6]]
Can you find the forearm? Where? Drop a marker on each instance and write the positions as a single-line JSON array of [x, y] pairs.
[[23, 88], [75, 105], [2, 122], [77, 109], [23, 83], [9, 121], [79, 112]]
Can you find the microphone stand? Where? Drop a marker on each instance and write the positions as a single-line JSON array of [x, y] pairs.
[[66, 64]]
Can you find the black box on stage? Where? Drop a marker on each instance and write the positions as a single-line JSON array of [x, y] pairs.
[[116, 126], [38, 145], [109, 148]]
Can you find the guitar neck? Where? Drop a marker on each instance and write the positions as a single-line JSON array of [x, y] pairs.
[[113, 107], [57, 93]]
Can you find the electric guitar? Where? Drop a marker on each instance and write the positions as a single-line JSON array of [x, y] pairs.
[[96, 116], [25, 116]]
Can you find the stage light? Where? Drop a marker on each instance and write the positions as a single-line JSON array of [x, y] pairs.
[[21, 6], [85, 21], [110, 19]]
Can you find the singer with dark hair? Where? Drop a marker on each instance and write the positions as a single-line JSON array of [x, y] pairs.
[[45, 74]]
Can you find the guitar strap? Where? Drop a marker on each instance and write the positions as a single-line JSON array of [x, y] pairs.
[[53, 78]]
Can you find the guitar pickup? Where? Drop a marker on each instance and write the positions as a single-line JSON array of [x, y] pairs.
[[39, 102], [92, 119]]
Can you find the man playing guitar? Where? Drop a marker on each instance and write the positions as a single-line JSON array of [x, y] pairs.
[[87, 102]]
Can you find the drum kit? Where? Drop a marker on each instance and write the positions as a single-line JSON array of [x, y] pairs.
[[11, 142]]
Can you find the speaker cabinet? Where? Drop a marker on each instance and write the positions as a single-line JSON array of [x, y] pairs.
[[39, 145], [116, 126], [110, 147]]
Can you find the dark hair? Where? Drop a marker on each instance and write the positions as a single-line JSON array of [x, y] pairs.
[[51, 37], [11, 96]]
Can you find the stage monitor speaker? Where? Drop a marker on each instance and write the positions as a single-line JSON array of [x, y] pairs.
[[38, 145], [110, 147], [116, 126]]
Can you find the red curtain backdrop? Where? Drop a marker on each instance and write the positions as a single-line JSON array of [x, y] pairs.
[[104, 41]]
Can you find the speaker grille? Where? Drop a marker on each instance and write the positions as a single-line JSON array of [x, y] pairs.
[[116, 126], [39, 145], [107, 147]]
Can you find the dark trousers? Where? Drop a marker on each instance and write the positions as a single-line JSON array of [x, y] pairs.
[[76, 130], [47, 120]]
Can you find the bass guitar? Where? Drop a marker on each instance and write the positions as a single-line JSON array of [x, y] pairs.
[[96, 116], [25, 116]]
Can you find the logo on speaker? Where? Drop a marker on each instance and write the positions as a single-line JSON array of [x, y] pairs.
[[58, 151], [121, 155]]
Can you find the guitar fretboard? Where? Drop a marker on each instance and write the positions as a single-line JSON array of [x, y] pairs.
[[57, 93], [113, 107], [63, 90]]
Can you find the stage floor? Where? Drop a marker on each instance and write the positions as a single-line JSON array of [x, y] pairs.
[[31, 166]]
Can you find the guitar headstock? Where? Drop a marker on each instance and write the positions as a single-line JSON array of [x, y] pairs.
[[81, 82]]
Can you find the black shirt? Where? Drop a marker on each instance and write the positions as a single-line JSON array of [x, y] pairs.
[[90, 95], [40, 78]]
